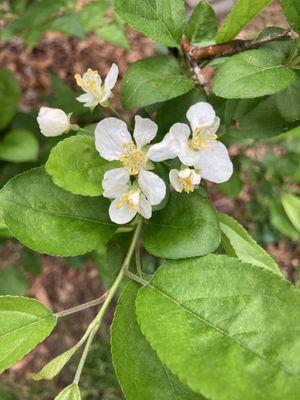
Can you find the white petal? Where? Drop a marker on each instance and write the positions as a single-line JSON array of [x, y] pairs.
[[180, 132], [214, 162], [215, 126], [53, 121], [174, 180], [120, 215], [170, 146], [188, 156], [145, 208], [165, 150], [201, 114], [144, 131], [184, 173], [152, 186], [115, 183], [111, 77], [196, 178], [110, 136]]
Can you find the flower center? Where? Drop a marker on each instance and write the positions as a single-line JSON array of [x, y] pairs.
[[132, 158], [200, 138], [187, 184], [130, 198], [90, 82]]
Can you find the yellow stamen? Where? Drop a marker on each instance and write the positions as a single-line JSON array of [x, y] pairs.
[[89, 82], [133, 159], [187, 184], [200, 138], [130, 199]]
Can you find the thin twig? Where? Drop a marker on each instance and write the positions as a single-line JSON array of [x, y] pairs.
[[200, 54], [81, 307], [96, 323]]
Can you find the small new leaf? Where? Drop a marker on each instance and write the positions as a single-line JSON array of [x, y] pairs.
[[71, 392]]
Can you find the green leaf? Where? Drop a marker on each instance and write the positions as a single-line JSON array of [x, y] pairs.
[[24, 323], [238, 243], [226, 328], [233, 187], [139, 370], [13, 281], [288, 102], [203, 25], [76, 166], [175, 110], [50, 220], [161, 78], [159, 19], [69, 24], [186, 227], [240, 15], [71, 392], [114, 34], [254, 73], [281, 221], [9, 97], [92, 15], [288, 136], [291, 9], [255, 118], [19, 146], [53, 368], [291, 205], [153, 80]]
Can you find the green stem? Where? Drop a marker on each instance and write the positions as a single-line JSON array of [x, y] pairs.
[[81, 307], [138, 259], [117, 114], [95, 325]]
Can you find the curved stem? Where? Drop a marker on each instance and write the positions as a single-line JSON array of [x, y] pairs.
[[117, 114], [81, 307], [95, 325]]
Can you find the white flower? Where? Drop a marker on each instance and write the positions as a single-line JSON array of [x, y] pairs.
[[199, 148], [114, 142], [91, 84], [184, 180], [53, 121], [130, 199]]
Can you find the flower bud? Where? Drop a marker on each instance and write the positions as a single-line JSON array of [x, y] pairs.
[[53, 121]]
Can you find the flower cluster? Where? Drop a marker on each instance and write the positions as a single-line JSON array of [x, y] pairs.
[[133, 187]]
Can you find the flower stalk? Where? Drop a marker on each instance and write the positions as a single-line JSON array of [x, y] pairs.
[[96, 323]]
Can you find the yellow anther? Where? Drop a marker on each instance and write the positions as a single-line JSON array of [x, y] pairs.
[[187, 184], [131, 199], [133, 159], [200, 138]]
